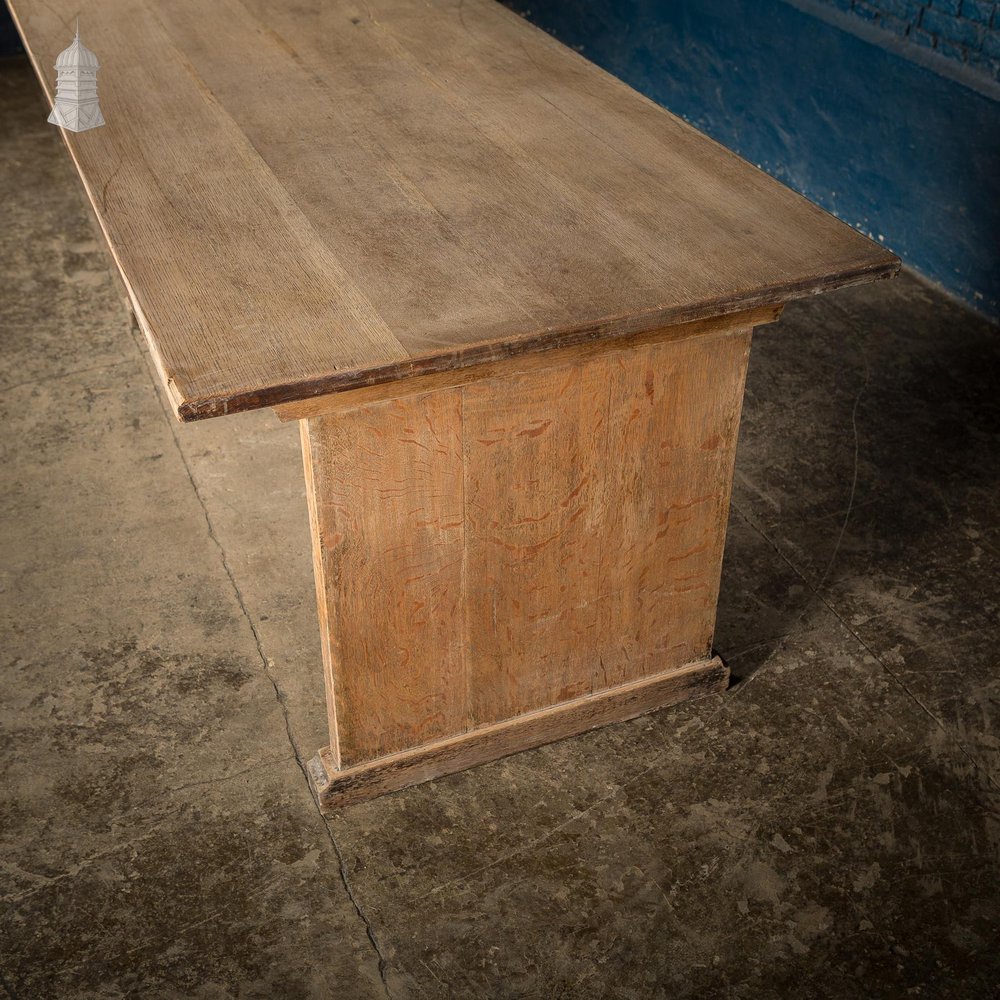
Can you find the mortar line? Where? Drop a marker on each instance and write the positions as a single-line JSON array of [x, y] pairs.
[[278, 692]]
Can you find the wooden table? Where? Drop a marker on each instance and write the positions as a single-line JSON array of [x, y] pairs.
[[509, 301]]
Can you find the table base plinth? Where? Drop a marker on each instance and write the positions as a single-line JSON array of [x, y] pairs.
[[335, 789]]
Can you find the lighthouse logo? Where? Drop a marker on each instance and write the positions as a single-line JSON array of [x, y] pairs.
[[76, 106]]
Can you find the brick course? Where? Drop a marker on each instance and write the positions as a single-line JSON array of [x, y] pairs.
[[966, 31]]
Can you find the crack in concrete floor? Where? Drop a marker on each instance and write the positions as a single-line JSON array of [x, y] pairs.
[[265, 661]]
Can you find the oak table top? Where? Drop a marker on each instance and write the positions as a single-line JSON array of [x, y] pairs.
[[308, 198]]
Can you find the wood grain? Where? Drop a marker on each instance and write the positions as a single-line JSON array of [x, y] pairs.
[[596, 503], [493, 548], [309, 198], [674, 412], [321, 553], [536, 453], [518, 364], [336, 789], [387, 496]]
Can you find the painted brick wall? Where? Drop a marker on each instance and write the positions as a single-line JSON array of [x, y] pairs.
[[967, 31]]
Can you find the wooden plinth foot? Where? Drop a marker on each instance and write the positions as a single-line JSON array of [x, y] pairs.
[[410, 767]]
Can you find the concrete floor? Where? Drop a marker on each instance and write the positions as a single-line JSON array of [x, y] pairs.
[[828, 828]]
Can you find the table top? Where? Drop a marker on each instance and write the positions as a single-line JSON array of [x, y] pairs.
[[304, 198]]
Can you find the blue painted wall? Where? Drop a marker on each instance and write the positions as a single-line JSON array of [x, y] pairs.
[[888, 144]]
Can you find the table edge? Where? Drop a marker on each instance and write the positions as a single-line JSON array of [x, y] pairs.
[[192, 408]]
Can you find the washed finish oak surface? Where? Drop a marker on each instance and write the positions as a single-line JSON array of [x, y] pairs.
[[310, 198], [524, 540]]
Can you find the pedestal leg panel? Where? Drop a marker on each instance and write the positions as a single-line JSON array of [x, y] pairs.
[[388, 522], [520, 542]]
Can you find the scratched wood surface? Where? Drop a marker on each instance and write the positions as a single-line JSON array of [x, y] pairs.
[[312, 197], [388, 499], [519, 541]]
